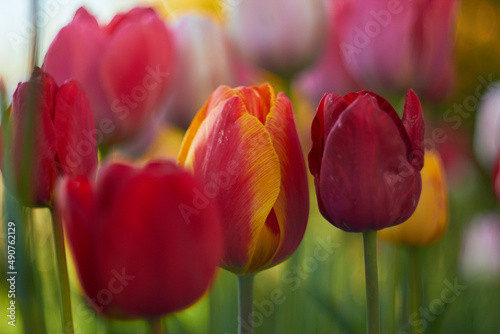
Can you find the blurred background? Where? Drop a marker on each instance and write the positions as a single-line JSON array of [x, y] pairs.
[[320, 289]]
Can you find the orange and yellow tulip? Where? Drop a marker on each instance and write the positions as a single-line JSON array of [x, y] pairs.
[[430, 219], [243, 146]]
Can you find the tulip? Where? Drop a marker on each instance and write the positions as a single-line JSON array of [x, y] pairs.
[[329, 74], [479, 256], [135, 255], [243, 145], [366, 162], [430, 219], [60, 122], [205, 61], [486, 134], [496, 177], [124, 67], [282, 36], [395, 45], [176, 8], [457, 154]]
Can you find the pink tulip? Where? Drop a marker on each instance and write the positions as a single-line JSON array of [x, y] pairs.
[[329, 74], [395, 45], [487, 134], [480, 253], [205, 61], [282, 36], [124, 67]]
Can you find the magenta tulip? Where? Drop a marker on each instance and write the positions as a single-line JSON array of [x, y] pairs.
[[61, 120], [135, 254], [124, 68], [395, 45], [366, 161], [329, 74]]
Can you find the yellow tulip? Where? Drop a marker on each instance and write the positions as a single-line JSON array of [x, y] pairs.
[[430, 219], [174, 8]]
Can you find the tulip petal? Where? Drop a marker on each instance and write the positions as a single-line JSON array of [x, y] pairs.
[[152, 290], [329, 110], [232, 150], [134, 85], [365, 173], [74, 121], [43, 168], [256, 104], [413, 122], [429, 221], [110, 181], [68, 57], [496, 177], [434, 43], [76, 206], [292, 205]]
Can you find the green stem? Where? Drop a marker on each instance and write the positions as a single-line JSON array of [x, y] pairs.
[[245, 299], [415, 283], [104, 150], [288, 89], [63, 272], [38, 318], [156, 326], [371, 274]]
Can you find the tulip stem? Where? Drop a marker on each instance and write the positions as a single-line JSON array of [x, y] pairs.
[[156, 326], [415, 283], [104, 150], [62, 270], [371, 275], [245, 299]]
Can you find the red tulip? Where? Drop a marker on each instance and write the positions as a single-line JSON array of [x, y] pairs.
[[243, 145], [366, 162], [124, 68], [135, 255], [62, 120]]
